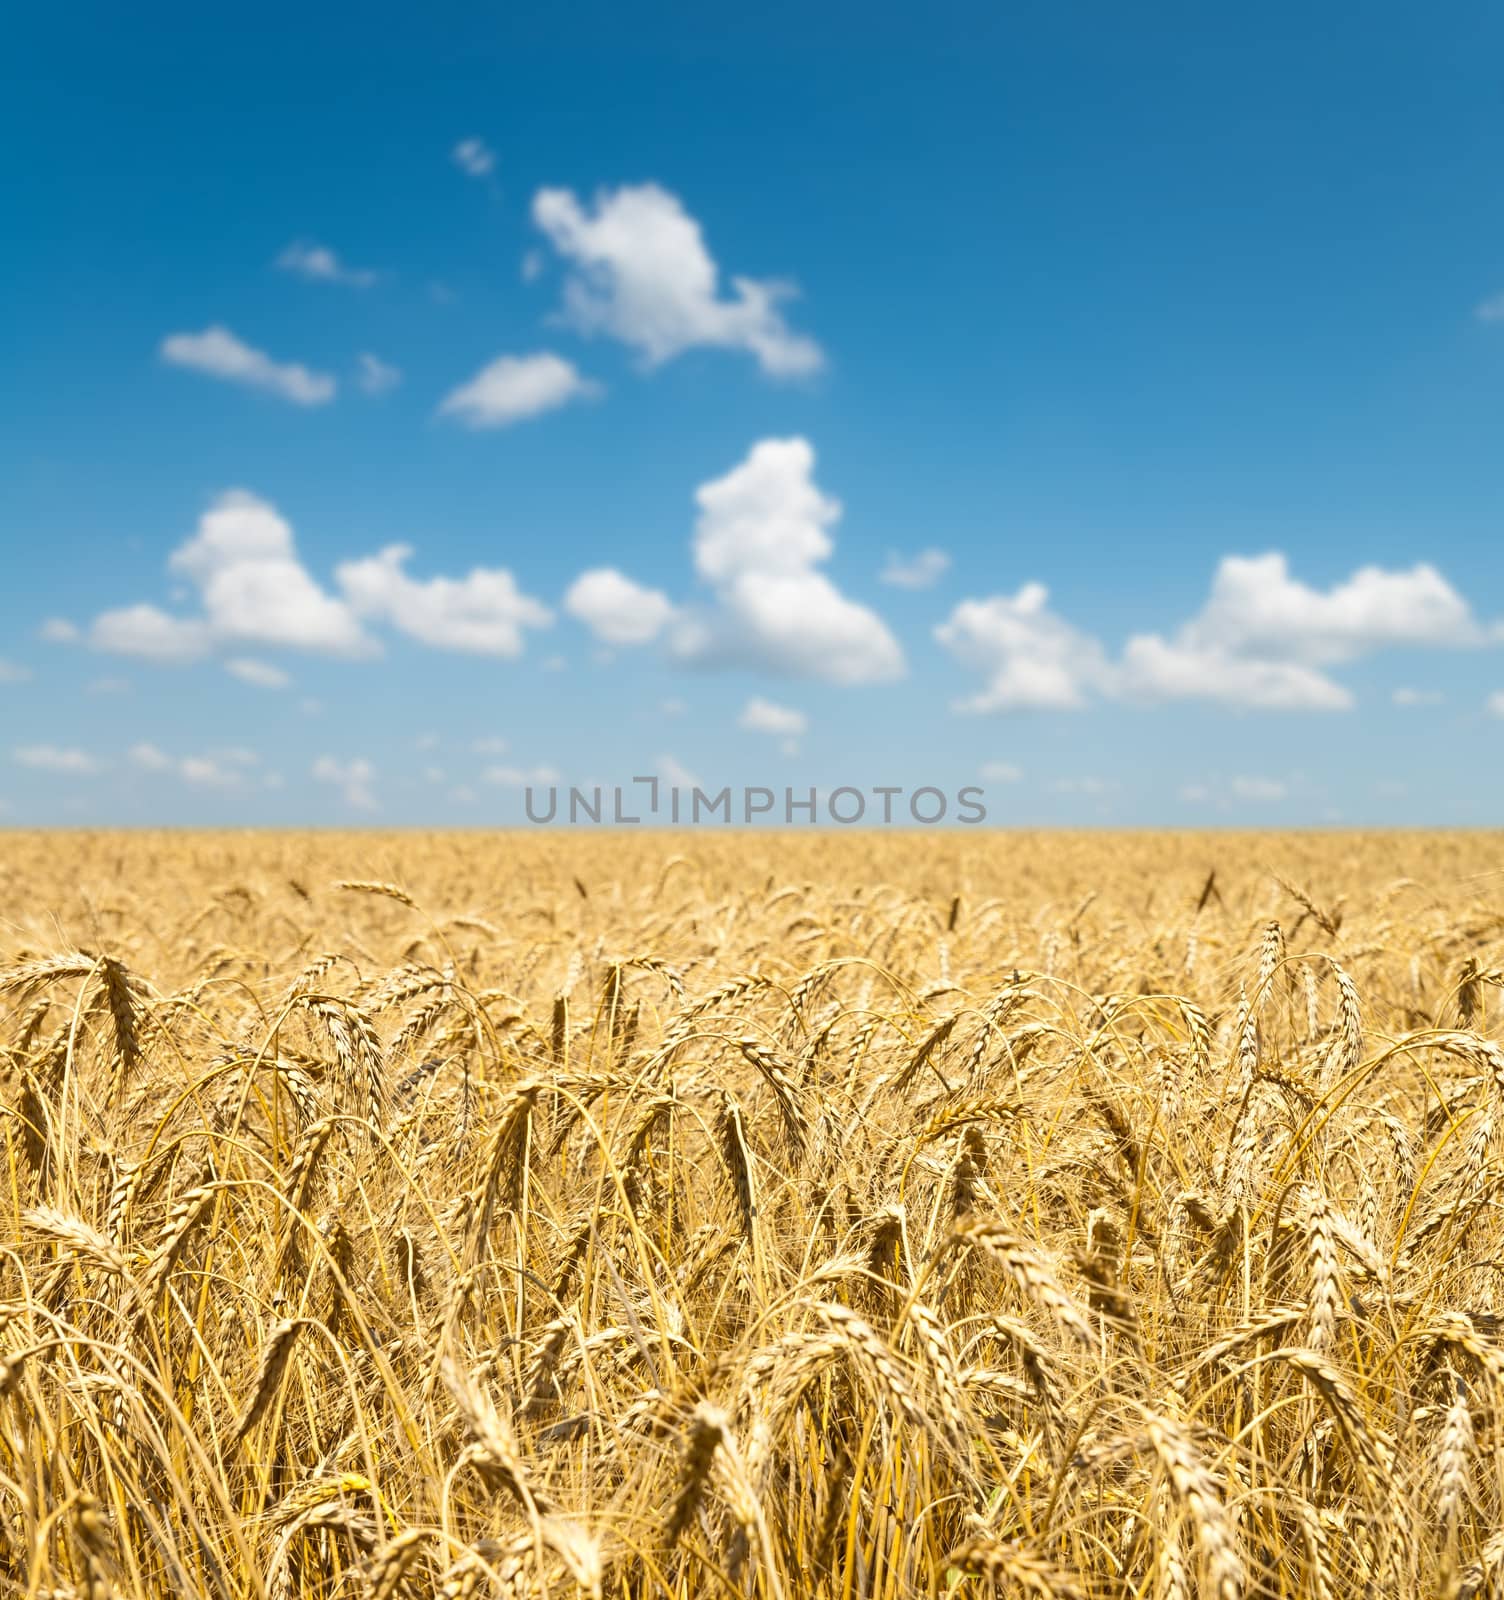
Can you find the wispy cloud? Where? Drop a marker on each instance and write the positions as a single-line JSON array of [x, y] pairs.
[[515, 388], [260, 674], [355, 779], [475, 157], [65, 760], [922, 571], [377, 376], [319, 264], [219, 353], [218, 769]]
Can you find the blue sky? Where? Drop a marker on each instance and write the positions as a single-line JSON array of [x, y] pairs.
[[1099, 407]]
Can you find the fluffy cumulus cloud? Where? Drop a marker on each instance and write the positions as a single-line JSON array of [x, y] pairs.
[[922, 571], [617, 609], [244, 562], [1257, 608], [254, 589], [761, 533], [1264, 640], [515, 388], [1030, 658], [319, 264], [762, 530], [483, 613], [640, 272], [1156, 669], [219, 353]]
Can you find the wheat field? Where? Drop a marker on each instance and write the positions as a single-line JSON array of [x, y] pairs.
[[751, 1214]]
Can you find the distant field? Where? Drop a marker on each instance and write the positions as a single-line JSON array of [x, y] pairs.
[[755, 1214]]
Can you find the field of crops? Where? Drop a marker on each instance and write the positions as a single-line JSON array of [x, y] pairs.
[[737, 1214]]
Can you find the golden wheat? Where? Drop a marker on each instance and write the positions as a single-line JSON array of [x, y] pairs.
[[648, 1217]]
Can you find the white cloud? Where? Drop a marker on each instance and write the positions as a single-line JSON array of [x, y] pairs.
[[206, 772], [1092, 787], [616, 609], [519, 777], [377, 376], [642, 274], [489, 745], [54, 758], [1224, 793], [514, 388], [245, 564], [1417, 697], [672, 707], [58, 630], [761, 531], [482, 613], [1492, 309], [1031, 658], [354, 779], [1270, 789], [216, 770], [151, 634], [1495, 703], [765, 716], [676, 775], [261, 674], [1155, 669], [433, 775], [920, 572], [1262, 640], [1001, 772], [218, 353], [1257, 609], [474, 156], [11, 673], [319, 264], [255, 590]]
